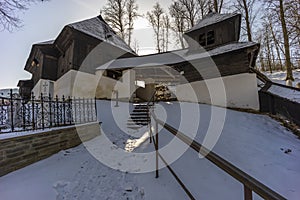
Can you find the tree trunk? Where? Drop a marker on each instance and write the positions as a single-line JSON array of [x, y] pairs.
[[247, 21], [276, 46], [289, 72], [268, 50]]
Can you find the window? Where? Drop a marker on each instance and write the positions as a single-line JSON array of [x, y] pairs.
[[202, 39], [206, 39], [210, 37], [114, 74]]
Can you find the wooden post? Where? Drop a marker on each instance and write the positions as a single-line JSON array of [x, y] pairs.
[[247, 193]]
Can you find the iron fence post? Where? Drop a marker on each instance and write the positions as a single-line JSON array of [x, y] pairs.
[[57, 111], [42, 108], [84, 109], [80, 110], [11, 103], [50, 110], [70, 110], [64, 109], [33, 110], [75, 110], [23, 114], [88, 102]]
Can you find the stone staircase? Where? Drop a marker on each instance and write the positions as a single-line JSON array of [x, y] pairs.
[[139, 116]]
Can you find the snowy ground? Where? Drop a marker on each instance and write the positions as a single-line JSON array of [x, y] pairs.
[[279, 76], [254, 143]]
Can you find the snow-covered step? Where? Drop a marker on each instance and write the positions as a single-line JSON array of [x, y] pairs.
[[139, 117]]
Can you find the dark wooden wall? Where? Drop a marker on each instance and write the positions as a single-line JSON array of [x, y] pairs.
[[277, 105], [224, 32]]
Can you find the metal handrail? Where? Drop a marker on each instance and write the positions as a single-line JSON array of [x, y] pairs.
[[250, 183]]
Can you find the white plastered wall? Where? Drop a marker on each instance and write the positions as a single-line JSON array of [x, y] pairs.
[[240, 91], [80, 84], [44, 87]]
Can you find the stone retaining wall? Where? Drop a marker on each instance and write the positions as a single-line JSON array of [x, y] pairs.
[[19, 152]]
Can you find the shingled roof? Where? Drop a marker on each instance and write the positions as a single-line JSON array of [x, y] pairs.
[[211, 18], [99, 29]]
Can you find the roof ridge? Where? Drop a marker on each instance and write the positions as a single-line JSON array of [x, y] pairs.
[[97, 27]]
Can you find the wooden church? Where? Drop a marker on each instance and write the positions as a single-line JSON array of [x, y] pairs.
[[54, 64], [88, 59]]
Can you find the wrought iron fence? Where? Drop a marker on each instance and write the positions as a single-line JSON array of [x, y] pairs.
[[18, 114]]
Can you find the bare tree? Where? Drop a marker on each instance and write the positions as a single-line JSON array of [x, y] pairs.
[[114, 14], [203, 7], [9, 19], [293, 21], [247, 7], [136, 46], [278, 8], [155, 17], [132, 13], [178, 24], [166, 32], [276, 43], [120, 15], [190, 11], [216, 5], [268, 47], [289, 72]]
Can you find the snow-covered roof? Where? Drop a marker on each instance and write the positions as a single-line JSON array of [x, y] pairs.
[[45, 42], [99, 29], [212, 18], [172, 57]]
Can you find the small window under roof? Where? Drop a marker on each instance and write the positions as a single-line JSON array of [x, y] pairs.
[[202, 39], [210, 37]]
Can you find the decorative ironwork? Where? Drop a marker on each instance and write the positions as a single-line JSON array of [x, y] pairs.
[[18, 114]]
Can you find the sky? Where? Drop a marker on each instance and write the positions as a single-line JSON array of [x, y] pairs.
[[44, 21]]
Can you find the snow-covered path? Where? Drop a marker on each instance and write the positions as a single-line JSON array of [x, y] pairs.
[[254, 143]]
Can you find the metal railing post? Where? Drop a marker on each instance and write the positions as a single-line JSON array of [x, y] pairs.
[[156, 149], [150, 128], [96, 112]]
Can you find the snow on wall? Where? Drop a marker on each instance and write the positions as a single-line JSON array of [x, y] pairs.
[[293, 95]]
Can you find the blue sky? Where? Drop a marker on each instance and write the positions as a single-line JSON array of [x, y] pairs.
[[44, 21]]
